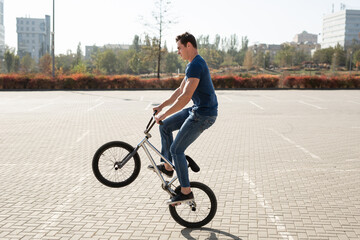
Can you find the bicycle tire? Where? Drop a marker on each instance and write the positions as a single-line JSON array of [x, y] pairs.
[[103, 164], [206, 206]]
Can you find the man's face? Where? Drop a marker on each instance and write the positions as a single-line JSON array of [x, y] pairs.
[[182, 50]]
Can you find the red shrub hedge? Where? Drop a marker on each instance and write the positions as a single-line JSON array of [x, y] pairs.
[[322, 82], [87, 81]]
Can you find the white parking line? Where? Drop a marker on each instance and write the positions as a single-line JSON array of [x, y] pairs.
[[83, 136], [227, 98], [352, 160], [97, 105], [6, 100], [314, 98], [312, 105], [271, 98], [296, 145], [41, 106], [354, 102], [256, 105], [280, 226], [148, 106]]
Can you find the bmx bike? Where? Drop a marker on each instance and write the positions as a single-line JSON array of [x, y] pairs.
[[117, 164]]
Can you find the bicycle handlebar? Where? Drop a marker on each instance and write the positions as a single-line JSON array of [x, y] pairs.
[[151, 123]]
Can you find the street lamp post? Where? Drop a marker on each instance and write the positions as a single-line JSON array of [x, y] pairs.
[[350, 60], [53, 42]]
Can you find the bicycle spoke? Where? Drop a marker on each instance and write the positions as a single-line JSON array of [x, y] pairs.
[[106, 165]]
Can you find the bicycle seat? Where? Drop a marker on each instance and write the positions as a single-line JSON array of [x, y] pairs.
[[192, 164]]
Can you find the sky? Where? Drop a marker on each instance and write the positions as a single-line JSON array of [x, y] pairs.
[[94, 22]]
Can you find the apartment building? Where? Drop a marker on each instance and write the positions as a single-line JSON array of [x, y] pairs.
[[33, 37], [305, 37], [342, 28], [2, 29]]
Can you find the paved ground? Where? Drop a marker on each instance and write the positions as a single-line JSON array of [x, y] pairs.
[[283, 165]]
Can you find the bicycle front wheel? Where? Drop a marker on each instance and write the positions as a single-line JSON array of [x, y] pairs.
[[199, 212], [106, 164]]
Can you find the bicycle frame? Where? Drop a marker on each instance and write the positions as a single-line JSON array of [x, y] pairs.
[[144, 144], [165, 184]]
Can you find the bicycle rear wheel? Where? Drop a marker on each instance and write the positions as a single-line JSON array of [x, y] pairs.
[[106, 163], [199, 212]]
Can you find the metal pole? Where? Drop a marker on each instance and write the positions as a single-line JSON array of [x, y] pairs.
[[53, 42], [350, 61]]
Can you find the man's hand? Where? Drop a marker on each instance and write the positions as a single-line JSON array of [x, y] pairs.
[[157, 109], [159, 117]]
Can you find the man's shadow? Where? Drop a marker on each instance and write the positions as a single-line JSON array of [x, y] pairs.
[[186, 232]]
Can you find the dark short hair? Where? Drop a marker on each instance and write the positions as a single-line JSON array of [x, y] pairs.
[[185, 38]]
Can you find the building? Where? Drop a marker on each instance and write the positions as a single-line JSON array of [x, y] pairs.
[[272, 49], [305, 37], [2, 29], [33, 37], [342, 28], [89, 50]]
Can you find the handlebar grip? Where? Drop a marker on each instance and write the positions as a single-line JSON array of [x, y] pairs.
[[161, 122]]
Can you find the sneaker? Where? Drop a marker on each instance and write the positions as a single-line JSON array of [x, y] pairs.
[[162, 169], [180, 198]]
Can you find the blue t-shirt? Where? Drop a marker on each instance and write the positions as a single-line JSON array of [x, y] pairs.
[[204, 97]]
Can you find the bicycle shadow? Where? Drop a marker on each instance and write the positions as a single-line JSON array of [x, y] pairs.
[[186, 232]]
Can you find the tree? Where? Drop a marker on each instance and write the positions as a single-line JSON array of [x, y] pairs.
[[108, 61], [162, 22], [212, 57], [172, 63], [232, 45], [45, 64], [285, 57], [259, 59], [123, 58], [16, 64], [340, 55], [9, 59], [267, 59], [65, 62], [136, 44], [239, 58], [248, 60], [78, 57], [203, 42], [323, 55], [356, 58], [300, 57], [27, 64]]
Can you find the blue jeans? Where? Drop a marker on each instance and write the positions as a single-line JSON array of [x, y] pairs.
[[190, 126]]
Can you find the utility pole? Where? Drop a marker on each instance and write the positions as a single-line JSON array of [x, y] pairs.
[[53, 42]]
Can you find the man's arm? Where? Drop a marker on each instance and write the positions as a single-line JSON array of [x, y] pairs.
[[184, 98], [172, 98]]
